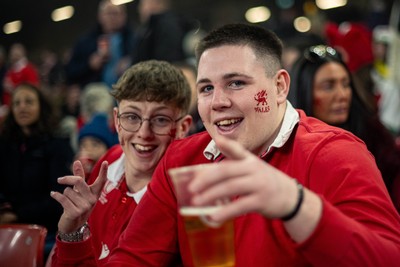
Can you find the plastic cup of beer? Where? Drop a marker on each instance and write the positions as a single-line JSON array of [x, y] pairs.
[[211, 244]]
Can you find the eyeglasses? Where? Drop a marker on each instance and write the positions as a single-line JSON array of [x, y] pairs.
[[160, 125], [319, 52]]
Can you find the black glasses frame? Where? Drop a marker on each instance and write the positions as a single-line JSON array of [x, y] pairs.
[[148, 119]]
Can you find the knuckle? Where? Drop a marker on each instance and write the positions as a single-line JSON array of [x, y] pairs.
[[67, 191]]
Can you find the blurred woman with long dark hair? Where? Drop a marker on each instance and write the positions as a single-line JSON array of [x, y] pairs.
[[323, 87], [32, 157]]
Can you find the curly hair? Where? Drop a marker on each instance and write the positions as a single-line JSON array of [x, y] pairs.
[[154, 80]]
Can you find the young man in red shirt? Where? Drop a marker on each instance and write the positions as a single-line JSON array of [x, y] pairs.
[[153, 102], [304, 193]]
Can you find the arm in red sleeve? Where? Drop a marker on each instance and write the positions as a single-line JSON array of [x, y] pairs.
[[155, 216], [359, 225], [73, 254]]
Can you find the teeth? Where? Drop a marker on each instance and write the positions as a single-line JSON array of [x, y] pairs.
[[227, 122], [143, 148]]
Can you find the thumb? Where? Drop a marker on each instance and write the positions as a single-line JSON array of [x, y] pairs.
[[230, 149], [77, 169], [97, 186]]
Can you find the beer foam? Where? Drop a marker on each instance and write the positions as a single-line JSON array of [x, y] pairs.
[[203, 213], [198, 211]]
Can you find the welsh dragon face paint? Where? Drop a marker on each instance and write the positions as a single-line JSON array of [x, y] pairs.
[[262, 104]]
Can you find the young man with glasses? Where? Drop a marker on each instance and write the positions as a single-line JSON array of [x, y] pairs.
[[303, 193], [153, 102]]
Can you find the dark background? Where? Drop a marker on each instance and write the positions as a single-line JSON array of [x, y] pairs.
[[40, 32]]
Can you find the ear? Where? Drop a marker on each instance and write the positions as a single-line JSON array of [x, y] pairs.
[[282, 85], [116, 121], [183, 127]]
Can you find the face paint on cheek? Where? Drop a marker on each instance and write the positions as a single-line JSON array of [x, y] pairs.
[[317, 102], [318, 108], [262, 104], [172, 133]]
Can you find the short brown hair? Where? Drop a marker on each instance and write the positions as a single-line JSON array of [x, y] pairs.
[[266, 44], [155, 81]]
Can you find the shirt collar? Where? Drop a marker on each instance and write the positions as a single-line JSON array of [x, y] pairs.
[[291, 118], [137, 196], [116, 172]]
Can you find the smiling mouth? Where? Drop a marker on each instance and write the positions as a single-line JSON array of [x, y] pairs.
[[228, 124], [340, 110], [23, 115], [144, 149]]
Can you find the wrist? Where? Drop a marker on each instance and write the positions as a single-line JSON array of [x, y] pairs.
[[295, 210], [79, 235]]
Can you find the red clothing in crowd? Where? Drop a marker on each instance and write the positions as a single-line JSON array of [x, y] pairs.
[[22, 72], [108, 219], [359, 224]]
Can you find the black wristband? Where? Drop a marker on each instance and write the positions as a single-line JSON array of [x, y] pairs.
[[296, 209]]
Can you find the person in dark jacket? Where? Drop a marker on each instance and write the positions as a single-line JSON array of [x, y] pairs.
[[160, 34], [102, 54], [32, 158]]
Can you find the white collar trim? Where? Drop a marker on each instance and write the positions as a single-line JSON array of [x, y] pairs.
[[290, 120]]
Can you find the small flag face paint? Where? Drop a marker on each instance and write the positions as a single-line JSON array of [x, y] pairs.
[[262, 104]]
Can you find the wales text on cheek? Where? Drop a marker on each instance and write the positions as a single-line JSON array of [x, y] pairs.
[[262, 109]]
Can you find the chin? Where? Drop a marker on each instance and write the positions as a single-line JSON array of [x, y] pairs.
[[338, 121]]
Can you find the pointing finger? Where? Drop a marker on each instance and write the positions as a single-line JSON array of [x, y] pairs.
[[231, 149]]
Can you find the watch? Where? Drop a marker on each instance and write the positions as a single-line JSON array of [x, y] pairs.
[[81, 234]]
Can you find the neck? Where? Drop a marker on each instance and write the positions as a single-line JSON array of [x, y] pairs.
[[26, 130], [136, 180]]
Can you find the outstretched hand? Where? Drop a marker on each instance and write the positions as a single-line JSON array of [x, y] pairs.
[[259, 186], [78, 199]]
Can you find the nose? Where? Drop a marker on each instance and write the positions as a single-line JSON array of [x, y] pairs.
[[220, 99], [145, 130], [343, 92]]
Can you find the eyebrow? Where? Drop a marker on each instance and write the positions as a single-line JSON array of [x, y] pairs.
[[133, 108], [334, 79], [226, 77]]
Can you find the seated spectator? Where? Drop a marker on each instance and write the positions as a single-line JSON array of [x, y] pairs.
[[32, 157], [354, 41], [95, 98], [20, 70], [323, 87], [94, 139], [153, 102]]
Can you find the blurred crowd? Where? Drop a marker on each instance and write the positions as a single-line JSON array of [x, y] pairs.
[[60, 109]]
